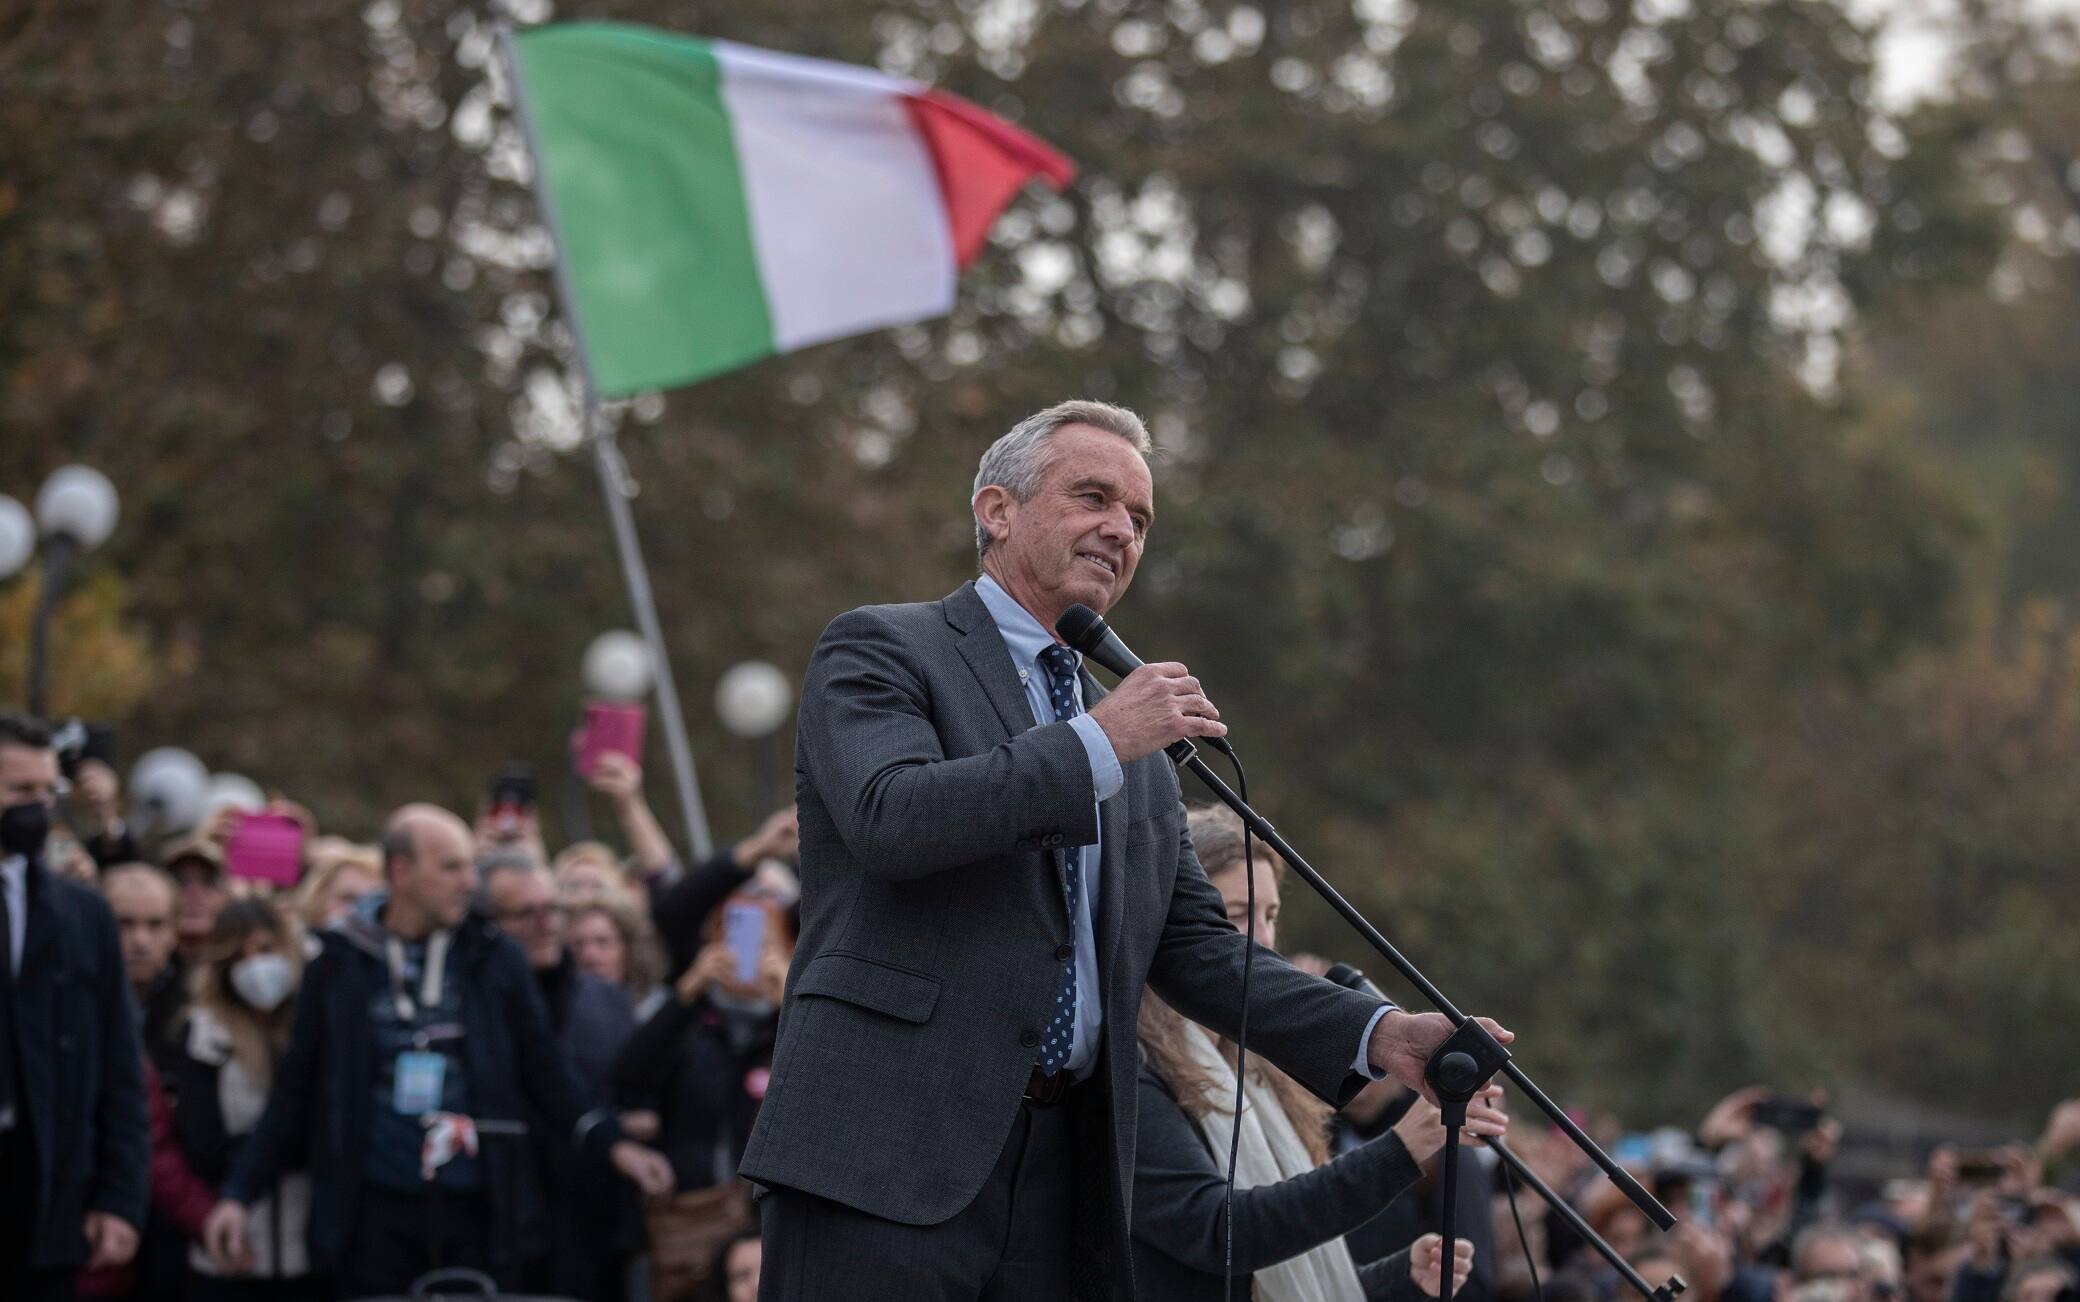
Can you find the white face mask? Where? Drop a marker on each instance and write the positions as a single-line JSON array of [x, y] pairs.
[[264, 981]]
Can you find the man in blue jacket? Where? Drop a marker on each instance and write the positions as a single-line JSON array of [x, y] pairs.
[[74, 1149], [417, 1029]]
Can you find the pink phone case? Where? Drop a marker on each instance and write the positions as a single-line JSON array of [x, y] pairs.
[[609, 728], [266, 848]]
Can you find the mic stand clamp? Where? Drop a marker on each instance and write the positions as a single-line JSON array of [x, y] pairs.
[[1457, 1070]]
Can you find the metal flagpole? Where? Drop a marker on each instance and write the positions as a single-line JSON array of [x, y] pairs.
[[614, 484]]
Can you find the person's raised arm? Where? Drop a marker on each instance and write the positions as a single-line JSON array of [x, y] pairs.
[[620, 780]]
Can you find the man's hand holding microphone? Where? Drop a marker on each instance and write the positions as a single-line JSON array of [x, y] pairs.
[[1154, 706]]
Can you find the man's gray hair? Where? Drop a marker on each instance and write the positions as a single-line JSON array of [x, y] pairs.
[[505, 859], [1018, 461]]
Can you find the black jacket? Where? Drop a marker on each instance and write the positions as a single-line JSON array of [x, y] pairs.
[[319, 1112], [1179, 1215], [705, 1071], [164, 1024], [82, 1074]]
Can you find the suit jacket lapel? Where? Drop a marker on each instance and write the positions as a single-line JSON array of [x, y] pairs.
[[982, 646]]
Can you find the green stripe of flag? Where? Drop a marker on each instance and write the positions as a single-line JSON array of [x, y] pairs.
[[642, 171]]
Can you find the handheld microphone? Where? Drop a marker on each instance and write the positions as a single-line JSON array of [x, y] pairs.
[[1086, 631], [1350, 978]]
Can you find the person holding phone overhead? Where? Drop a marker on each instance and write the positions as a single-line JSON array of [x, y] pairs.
[[704, 1059]]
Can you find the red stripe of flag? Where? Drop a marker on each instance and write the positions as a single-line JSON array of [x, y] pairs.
[[983, 162]]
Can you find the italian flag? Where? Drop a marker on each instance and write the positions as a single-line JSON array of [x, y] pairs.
[[716, 204]]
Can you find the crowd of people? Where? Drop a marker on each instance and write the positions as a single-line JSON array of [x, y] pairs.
[[443, 1048], [449, 1047]]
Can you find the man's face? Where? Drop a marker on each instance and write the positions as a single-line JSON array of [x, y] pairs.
[[144, 921], [1079, 537], [27, 774], [523, 903], [441, 873]]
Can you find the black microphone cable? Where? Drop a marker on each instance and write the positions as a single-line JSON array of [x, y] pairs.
[[1249, 953], [1509, 1185]]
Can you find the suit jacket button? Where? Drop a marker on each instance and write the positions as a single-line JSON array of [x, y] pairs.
[[1064, 951], [1029, 1038]]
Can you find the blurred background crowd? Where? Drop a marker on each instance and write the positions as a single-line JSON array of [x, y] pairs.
[[657, 986]]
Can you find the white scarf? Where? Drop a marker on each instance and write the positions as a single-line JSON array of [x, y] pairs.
[[1270, 1153]]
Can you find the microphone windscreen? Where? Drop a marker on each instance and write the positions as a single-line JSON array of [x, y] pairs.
[[1350, 978], [1081, 627]]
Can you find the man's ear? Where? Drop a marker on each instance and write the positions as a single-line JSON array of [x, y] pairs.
[[994, 506]]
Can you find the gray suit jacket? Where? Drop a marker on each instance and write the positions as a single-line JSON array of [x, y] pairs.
[[932, 911]]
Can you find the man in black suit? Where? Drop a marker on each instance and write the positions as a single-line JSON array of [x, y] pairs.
[[991, 872], [74, 1149]]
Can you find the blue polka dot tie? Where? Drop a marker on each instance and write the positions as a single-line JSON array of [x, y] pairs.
[[1061, 665]]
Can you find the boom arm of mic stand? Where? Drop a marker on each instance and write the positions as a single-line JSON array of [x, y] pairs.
[[1666, 1293], [1649, 1205]]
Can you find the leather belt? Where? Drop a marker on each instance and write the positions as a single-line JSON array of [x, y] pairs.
[[1046, 1091]]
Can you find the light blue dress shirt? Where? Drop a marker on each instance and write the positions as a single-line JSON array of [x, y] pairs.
[[1026, 638]]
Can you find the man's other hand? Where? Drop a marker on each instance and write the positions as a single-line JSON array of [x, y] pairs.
[[1154, 706], [111, 1241], [1403, 1042], [646, 1168]]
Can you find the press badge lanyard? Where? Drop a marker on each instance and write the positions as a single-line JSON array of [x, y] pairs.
[[429, 980]]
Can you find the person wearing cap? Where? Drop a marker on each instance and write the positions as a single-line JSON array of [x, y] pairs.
[[201, 890]]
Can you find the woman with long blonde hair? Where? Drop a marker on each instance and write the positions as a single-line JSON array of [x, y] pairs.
[[1293, 1203], [238, 1026]]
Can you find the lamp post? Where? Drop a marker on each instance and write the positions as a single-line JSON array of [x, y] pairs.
[[75, 513], [753, 699]]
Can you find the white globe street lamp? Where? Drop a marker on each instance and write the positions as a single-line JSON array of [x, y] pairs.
[[753, 698], [17, 537], [234, 791], [76, 511], [169, 791], [617, 667], [79, 503]]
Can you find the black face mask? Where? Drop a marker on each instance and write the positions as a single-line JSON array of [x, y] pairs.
[[23, 828]]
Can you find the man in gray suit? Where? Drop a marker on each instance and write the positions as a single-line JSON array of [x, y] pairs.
[[991, 873]]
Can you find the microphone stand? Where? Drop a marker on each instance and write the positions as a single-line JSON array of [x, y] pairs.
[[1459, 1067]]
